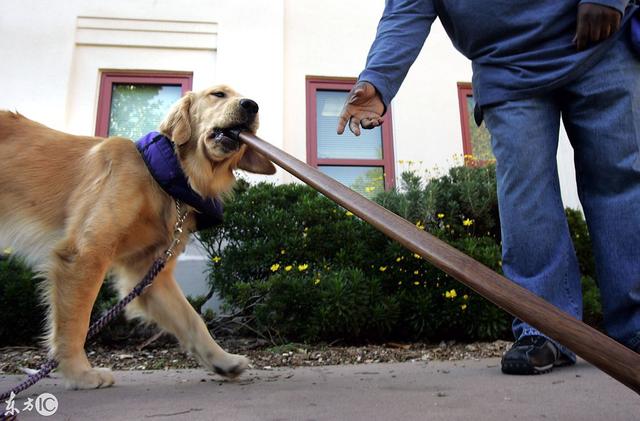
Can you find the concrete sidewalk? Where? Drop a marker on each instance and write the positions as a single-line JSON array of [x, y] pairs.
[[463, 390]]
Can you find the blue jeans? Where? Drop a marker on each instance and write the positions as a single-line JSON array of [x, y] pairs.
[[601, 113]]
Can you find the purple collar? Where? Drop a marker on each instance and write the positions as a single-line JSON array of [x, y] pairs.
[[158, 153]]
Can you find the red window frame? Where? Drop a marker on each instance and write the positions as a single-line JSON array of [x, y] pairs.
[[108, 78], [465, 90], [318, 83]]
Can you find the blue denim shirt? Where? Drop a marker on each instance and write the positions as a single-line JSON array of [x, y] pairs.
[[518, 48]]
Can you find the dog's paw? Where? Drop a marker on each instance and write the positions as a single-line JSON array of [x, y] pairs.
[[232, 366], [94, 378]]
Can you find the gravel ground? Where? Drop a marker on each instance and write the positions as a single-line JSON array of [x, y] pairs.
[[166, 355]]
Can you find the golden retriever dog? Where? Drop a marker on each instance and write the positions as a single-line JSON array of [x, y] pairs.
[[77, 207]]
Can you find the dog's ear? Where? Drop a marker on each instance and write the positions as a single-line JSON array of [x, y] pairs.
[[177, 124], [256, 163]]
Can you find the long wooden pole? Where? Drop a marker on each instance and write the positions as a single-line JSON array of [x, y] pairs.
[[605, 353]]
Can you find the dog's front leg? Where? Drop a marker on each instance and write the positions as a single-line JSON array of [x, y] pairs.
[[165, 304], [75, 277]]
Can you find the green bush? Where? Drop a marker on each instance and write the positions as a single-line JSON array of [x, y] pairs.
[[21, 315], [309, 270], [305, 269]]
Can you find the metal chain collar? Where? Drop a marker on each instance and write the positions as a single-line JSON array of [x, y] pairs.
[[181, 216]]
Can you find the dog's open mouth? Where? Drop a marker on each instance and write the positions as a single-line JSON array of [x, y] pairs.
[[228, 138]]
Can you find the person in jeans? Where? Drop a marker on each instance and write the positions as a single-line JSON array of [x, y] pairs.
[[533, 63]]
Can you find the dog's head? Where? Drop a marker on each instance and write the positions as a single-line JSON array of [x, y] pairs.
[[197, 125]]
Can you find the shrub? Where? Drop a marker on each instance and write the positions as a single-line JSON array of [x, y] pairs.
[[22, 315], [305, 269], [342, 304], [319, 273]]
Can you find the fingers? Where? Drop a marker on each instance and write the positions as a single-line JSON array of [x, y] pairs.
[[343, 120], [356, 96], [370, 123], [581, 38], [363, 108], [354, 125], [595, 23]]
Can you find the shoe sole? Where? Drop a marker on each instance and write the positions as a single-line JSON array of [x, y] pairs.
[[525, 369]]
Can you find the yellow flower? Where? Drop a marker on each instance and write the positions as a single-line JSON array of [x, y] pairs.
[[216, 259], [465, 297], [302, 268], [348, 213], [383, 268], [288, 268], [282, 251], [369, 189], [453, 293], [417, 256], [399, 282], [8, 250], [415, 272], [420, 225], [399, 259], [275, 267], [416, 283], [463, 306], [467, 222], [317, 281], [500, 263], [401, 161], [440, 215]]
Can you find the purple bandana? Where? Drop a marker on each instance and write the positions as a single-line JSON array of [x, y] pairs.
[[158, 153]]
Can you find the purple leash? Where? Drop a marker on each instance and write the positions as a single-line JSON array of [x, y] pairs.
[[97, 325]]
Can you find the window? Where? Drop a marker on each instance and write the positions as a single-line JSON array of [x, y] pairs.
[[363, 163], [476, 140], [132, 104]]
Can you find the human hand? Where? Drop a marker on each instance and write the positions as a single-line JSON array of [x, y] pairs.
[[363, 107], [595, 23]]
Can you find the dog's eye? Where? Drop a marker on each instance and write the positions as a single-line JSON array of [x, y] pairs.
[[218, 94]]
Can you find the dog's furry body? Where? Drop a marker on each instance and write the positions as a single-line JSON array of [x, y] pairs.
[[76, 207]]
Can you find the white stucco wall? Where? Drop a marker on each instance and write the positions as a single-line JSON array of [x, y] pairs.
[[50, 77]]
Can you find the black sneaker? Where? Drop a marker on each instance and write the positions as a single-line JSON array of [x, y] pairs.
[[533, 355]]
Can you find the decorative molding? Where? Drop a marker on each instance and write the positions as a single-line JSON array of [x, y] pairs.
[[146, 33]]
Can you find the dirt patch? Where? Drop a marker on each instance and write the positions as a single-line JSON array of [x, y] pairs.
[[160, 356]]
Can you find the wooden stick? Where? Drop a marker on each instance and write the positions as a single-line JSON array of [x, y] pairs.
[[605, 353]]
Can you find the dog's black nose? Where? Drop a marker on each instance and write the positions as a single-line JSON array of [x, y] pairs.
[[249, 105]]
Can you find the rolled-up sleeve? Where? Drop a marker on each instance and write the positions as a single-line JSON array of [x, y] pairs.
[[402, 31]]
